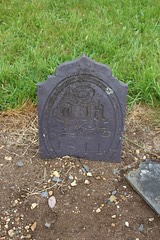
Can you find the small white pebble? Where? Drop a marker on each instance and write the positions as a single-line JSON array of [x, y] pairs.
[[34, 205], [50, 193], [151, 219], [98, 210], [87, 182], [6, 226], [71, 177], [26, 227], [127, 224], [89, 174], [74, 183], [11, 233], [8, 158], [56, 174]]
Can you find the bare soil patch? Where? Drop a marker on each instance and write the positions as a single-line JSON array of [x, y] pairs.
[[82, 212]]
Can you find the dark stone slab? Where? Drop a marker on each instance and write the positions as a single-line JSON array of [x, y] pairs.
[[146, 181], [81, 111]]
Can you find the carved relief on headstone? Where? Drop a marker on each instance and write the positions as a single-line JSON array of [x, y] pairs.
[[81, 111]]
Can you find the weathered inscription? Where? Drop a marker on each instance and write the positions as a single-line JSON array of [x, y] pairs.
[[81, 116]]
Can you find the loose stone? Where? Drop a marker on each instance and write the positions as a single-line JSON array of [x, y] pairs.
[[71, 177], [87, 182], [83, 170], [52, 202], [8, 158], [89, 174], [47, 224], [116, 171], [98, 210], [98, 178], [6, 226], [44, 194], [11, 233], [28, 236], [127, 224], [56, 174], [141, 227], [114, 192], [20, 164], [112, 198], [33, 227], [34, 205], [50, 193], [86, 167], [74, 183], [26, 227], [55, 179]]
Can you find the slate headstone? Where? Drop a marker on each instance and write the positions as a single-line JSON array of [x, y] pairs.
[[146, 181], [81, 111]]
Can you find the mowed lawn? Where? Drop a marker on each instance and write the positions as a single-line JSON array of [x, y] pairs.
[[38, 35]]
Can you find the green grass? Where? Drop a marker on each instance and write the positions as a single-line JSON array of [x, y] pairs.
[[38, 35]]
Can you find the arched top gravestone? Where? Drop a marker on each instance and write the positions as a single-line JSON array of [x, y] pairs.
[[81, 111]]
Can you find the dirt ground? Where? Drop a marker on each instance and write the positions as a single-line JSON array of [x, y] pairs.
[[103, 207]]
